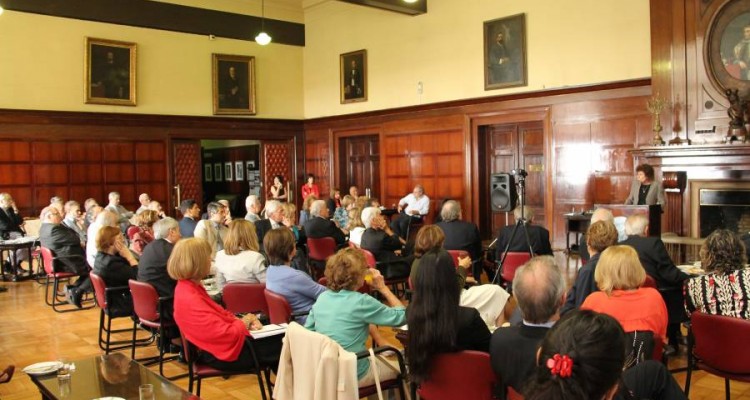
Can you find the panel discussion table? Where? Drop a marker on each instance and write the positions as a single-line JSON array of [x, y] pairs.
[[8, 247]]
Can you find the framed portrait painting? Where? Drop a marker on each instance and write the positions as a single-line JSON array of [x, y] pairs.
[[728, 47], [239, 171], [228, 171], [217, 172], [207, 173], [110, 72], [353, 70], [233, 84], [505, 52]]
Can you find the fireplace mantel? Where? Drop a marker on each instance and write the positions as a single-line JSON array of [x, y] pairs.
[[703, 150]]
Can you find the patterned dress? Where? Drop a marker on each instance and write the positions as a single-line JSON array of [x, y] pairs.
[[719, 293]]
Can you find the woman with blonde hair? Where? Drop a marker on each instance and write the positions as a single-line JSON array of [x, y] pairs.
[[619, 276], [345, 315], [240, 260], [145, 235], [223, 337], [304, 214], [355, 227]]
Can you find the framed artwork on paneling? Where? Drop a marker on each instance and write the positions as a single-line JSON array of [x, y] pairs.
[[227, 171], [353, 72], [110, 72], [207, 173], [217, 172], [250, 166], [728, 47], [233, 84], [239, 171], [505, 52]]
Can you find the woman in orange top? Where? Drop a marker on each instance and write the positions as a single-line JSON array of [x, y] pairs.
[[619, 276], [310, 188]]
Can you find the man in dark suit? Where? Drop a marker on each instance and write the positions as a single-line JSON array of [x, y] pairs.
[[659, 265], [385, 245], [319, 226], [68, 251], [461, 235], [275, 216], [191, 214], [539, 289], [538, 236]]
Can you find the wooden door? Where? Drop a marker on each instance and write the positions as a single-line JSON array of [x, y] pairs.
[[187, 173], [512, 147], [278, 159], [359, 164]]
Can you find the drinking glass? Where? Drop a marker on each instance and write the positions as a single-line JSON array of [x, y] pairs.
[[146, 392]]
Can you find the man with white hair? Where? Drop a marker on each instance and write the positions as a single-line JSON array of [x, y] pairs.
[[152, 266], [275, 218], [144, 199], [461, 235], [123, 215], [658, 265], [413, 207], [105, 218], [538, 236], [319, 226], [252, 204], [380, 240]]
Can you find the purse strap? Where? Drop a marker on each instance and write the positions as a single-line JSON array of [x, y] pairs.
[[376, 373]]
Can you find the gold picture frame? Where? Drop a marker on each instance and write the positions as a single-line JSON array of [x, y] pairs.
[[233, 84], [505, 52], [110, 72], [353, 76]]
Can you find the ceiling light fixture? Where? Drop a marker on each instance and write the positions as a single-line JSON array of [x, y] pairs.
[[263, 38], [410, 1], [1, 10]]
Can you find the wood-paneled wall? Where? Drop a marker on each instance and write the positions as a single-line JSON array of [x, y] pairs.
[[81, 155], [586, 137]]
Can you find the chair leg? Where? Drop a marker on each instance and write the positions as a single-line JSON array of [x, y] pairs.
[[261, 385], [101, 330], [135, 333], [198, 387], [726, 389]]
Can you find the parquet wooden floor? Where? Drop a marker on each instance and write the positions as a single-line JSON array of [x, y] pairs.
[[31, 332]]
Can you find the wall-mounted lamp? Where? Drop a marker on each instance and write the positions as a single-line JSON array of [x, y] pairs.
[[1, 10], [263, 38], [410, 1]]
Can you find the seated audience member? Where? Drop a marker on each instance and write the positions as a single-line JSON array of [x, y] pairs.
[[223, 338], [345, 315], [600, 214], [299, 261], [539, 289], [356, 228], [599, 236], [145, 235], [320, 226], [341, 216], [310, 188], [152, 266], [489, 300], [253, 207], [240, 260], [582, 357], [384, 244], [58, 203], [619, 276], [213, 229], [89, 206], [296, 286], [361, 202], [144, 199], [353, 191], [69, 255], [156, 206], [437, 323], [74, 219], [105, 218], [538, 236], [123, 214], [334, 201], [372, 202], [723, 290], [304, 214], [11, 224], [191, 214], [413, 207], [439, 217], [228, 210], [274, 219], [461, 235], [658, 265], [115, 265]]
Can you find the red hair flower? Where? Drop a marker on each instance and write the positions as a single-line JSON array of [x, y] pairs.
[[561, 366]]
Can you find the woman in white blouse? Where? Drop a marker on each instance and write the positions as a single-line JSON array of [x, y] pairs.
[[240, 260]]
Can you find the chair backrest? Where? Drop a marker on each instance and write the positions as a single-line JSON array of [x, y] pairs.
[[188, 351], [456, 254], [369, 257], [649, 282], [100, 290], [47, 259], [464, 374], [512, 262], [321, 248], [145, 301], [721, 342], [132, 230], [279, 310], [242, 297]]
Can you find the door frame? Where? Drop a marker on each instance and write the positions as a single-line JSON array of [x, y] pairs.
[[336, 136], [534, 114]]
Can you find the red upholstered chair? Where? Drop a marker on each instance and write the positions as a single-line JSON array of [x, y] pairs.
[[718, 345], [241, 297], [456, 254], [461, 375], [132, 230], [649, 282], [319, 249], [394, 283], [56, 300], [279, 310], [103, 295], [513, 395], [511, 263], [148, 307], [198, 371]]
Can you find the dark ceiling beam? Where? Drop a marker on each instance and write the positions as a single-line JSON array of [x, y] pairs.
[[399, 6], [165, 16]]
